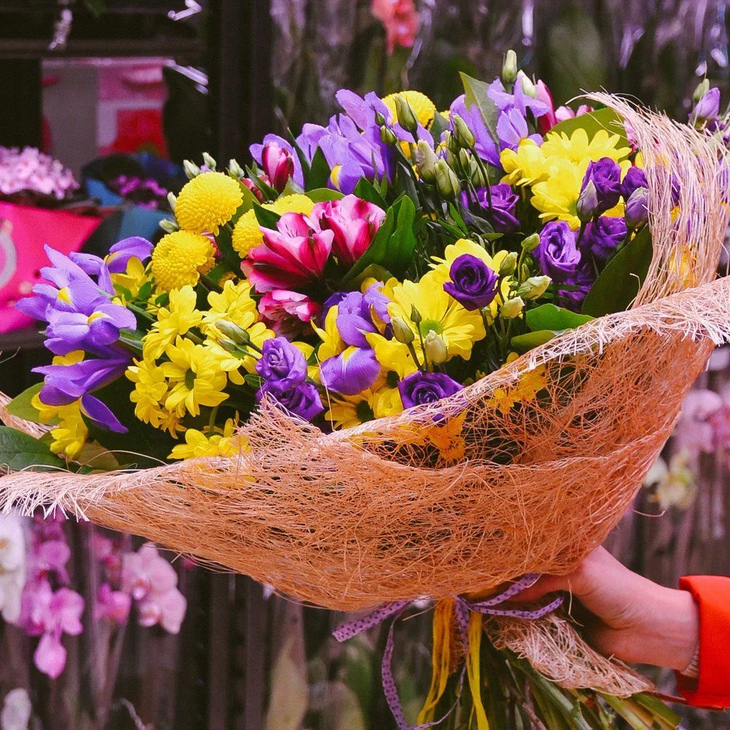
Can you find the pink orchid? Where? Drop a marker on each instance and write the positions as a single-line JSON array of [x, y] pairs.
[[52, 556], [286, 311], [50, 656], [278, 165], [291, 257], [400, 20], [354, 223], [112, 605]]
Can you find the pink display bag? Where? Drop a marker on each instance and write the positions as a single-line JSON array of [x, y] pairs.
[[23, 233]]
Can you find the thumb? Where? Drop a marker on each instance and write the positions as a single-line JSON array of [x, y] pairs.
[[546, 584]]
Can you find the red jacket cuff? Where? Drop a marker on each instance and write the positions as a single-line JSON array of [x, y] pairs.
[[712, 687]]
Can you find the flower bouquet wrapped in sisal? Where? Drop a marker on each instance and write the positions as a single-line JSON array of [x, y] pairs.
[[455, 350]]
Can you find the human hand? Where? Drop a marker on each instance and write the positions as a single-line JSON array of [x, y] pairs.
[[630, 617]]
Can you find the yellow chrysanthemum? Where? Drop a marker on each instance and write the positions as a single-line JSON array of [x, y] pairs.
[[423, 107], [71, 434], [578, 148], [233, 304], [247, 234], [195, 376], [175, 319], [524, 389], [207, 202], [222, 443], [447, 438], [524, 166], [179, 259], [351, 410], [150, 392]]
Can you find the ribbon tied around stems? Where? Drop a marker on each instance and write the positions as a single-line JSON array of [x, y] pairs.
[[468, 615]]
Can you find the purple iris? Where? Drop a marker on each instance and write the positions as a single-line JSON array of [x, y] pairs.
[[602, 236], [500, 203], [303, 400], [421, 388], [69, 331], [557, 254], [484, 145], [605, 174], [634, 178], [473, 284], [64, 384], [580, 283], [355, 370], [520, 100], [282, 366], [355, 315]]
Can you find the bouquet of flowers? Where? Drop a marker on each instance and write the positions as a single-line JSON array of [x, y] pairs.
[[412, 353]]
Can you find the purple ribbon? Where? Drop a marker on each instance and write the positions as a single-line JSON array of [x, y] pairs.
[[462, 607]]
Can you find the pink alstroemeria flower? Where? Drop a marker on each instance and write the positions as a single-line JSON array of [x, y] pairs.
[[400, 19], [291, 257], [278, 165], [286, 311], [354, 223]]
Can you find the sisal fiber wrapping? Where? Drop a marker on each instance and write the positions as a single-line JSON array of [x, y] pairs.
[[356, 518]]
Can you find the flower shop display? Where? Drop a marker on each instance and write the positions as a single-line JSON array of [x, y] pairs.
[[409, 354]]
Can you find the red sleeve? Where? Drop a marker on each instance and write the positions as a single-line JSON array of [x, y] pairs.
[[712, 687]]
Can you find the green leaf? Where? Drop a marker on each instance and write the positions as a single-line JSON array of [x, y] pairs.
[[266, 218], [322, 194], [439, 125], [19, 451], [456, 216], [619, 282], [21, 406], [373, 271], [320, 173], [248, 201], [367, 191], [659, 709], [267, 190], [476, 93], [593, 122], [393, 245], [550, 317], [523, 343]]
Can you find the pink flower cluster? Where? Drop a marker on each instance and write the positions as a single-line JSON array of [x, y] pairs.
[[29, 170], [400, 19], [704, 425], [289, 267]]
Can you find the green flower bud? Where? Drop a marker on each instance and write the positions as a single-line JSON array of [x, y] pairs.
[[415, 315], [387, 135], [402, 331], [509, 264], [232, 347], [236, 170], [509, 67], [451, 143], [464, 135], [191, 169], [435, 348], [239, 335], [702, 88], [534, 287], [169, 226], [530, 243], [406, 116], [527, 86], [210, 163], [512, 308], [171, 201], [380, 119], [426, 160], [446, 180]]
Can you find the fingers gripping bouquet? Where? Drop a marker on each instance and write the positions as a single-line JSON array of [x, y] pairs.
[[412, 353]]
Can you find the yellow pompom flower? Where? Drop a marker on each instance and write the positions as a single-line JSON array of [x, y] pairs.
[[180, 258], [195, 376], [222, 443], [207, 202], [247, 234], [175, 319], [423, 107]]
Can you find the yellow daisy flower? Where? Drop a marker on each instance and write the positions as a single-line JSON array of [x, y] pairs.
[[175, 319], [524, 166], [71, 434], [179, 259], [579, 149], [131, 280], [207, 202], [221, 443], [150, 391]]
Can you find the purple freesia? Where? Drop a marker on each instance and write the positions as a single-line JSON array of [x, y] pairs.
[[473, 284], [557, 254], [420, 388], [520, 100], [484, 145], [282, 365], [602, 236], [351, 372]]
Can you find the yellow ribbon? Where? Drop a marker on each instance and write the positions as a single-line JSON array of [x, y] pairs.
[[473, 669], [443, 617]]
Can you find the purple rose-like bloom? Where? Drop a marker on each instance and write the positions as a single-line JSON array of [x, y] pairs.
[[580, 283], [605, 174], [602, 235], [351, 372], [281, 365], [423, 388], [634, 178], [473, 284], [501, 212], [557, 254], [303, 400]]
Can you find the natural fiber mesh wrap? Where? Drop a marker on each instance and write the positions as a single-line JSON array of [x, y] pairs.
[[360, 517]]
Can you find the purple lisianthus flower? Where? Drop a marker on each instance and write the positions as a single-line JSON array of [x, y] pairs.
[[423, 388], [499, 203], [579, 283], [634, 178], [605, 174], [602, 236], [281, 365], [351, 372], [355, 315], [303, 399], [473, 284], [557, 254], [637, 208]]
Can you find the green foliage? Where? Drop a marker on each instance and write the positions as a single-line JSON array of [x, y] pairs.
[[266, 218], [321, 195], [21, 406], [476, 93], [19, 451], [367, 191], [593, 122], [550, 317], [319, 172]]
